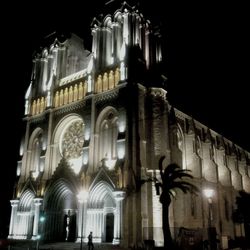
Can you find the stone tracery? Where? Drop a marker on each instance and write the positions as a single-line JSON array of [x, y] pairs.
[[73, 140]]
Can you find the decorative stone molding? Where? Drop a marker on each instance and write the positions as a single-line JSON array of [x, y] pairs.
[[158, 92], [70, 107], [119, 195], [73, 77], [14, 203], [110, 94], [38, 118]]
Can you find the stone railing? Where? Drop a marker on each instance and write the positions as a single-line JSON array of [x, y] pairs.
[[70, 94], [107, 80], [38, 106]]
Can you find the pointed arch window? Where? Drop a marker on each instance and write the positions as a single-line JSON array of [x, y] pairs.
[[179, 140], [108, 132], [36, 151]]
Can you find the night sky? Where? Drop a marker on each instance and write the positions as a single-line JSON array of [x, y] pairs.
[[206, 53]]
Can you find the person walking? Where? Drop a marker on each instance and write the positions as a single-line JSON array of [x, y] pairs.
[[90, 241]]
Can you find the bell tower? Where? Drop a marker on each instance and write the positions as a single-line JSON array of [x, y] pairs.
[[87, 133]]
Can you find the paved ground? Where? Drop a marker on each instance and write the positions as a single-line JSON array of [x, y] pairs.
[[76, 246], [31, 245]]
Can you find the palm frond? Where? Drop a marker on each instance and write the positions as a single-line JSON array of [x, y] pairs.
[[184, 186], [180, 174], [179, 185], [172, 193], [170, 169], [174, 177]]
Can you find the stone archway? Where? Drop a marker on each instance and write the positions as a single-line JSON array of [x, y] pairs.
[[23, 227], [104, 210], [60, 213], [101, 207]]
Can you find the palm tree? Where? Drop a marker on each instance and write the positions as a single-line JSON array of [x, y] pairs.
[[171, 179]]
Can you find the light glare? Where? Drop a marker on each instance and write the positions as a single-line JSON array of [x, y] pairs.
[[208, 193]]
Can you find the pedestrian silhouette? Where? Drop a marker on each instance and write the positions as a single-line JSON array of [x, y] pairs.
[[90, 241], [205, 244]]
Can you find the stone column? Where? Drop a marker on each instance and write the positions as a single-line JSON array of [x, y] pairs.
[[37, 203], [119, 196], [80, 224], [13, 218], [82, 216]]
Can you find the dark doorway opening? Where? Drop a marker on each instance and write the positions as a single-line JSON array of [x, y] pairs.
[[109, 227], [69, 227]]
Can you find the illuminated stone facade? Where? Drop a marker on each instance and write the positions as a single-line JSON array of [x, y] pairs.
[[95, 127]]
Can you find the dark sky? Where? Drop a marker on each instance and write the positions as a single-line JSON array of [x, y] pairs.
[[206, 49]]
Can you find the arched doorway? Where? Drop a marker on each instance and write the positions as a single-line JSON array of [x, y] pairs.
[[101, 212], [25, 216], [60, 212]]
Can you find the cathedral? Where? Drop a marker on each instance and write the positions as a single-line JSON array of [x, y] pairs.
[[97, 123]]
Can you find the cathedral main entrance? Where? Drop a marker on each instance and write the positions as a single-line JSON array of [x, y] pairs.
[[60, 213]]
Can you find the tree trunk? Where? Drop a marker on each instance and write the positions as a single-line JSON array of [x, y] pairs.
[[168, 242]]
